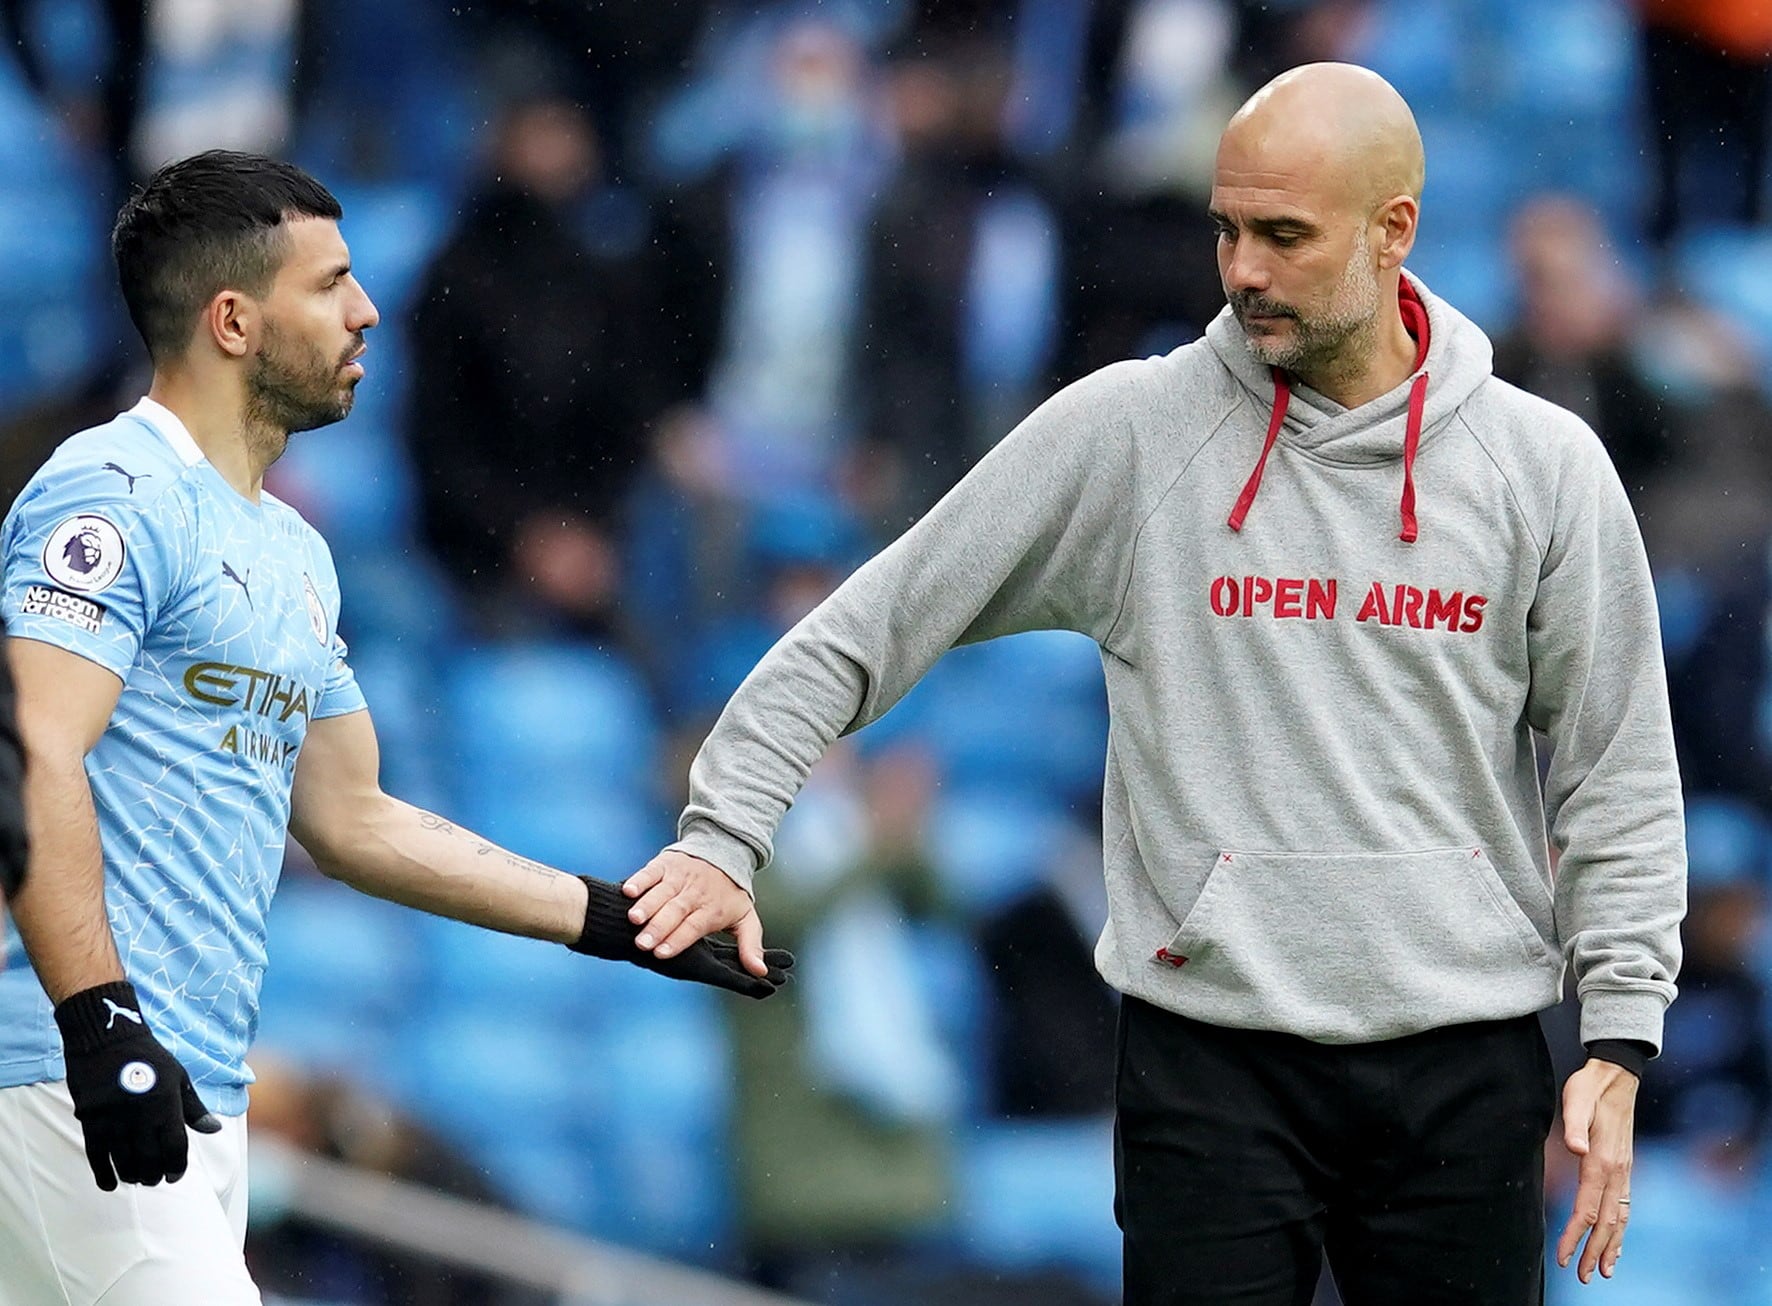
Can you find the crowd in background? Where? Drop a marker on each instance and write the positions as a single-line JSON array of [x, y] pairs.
[[688, 307]]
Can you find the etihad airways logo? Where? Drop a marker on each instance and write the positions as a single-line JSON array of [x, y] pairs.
[[260, 693], [1313, 599]]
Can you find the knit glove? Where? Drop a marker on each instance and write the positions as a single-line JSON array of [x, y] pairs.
[[131, 1096], [608, 933]]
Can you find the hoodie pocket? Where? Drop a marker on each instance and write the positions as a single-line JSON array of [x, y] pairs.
[[1353, 946]]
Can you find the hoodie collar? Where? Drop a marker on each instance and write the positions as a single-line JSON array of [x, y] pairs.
[[1453, 358]]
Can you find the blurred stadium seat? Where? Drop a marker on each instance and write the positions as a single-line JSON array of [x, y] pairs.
[[1035, 1195]]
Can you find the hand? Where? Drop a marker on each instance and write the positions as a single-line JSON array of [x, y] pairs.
[[682, 898], [1599, 1115], [131, 1096], [609, 933]]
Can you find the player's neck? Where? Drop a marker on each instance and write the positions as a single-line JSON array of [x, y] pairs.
[[235, 445]]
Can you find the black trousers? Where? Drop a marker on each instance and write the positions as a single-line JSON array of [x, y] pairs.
[[1417, 1164]]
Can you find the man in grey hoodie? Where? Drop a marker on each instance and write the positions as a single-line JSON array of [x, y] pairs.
[[1339, 574]]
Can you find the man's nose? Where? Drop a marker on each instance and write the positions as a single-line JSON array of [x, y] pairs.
[[366, 315], [1244, 267]]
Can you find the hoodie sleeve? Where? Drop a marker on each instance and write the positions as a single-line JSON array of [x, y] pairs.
[[1034, 538], [1599, 691]]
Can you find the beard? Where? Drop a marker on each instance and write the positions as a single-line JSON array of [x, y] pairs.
[[291, 386], [1317, 341]]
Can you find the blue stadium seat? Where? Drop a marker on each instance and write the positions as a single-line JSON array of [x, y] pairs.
[[576, 824], [352, 481], [1474, 177], [1469, 270], [662, 1138], [991, 845], [490, 1077], [1685, 601], [505, 977], [1730, 270], [1416, 46], [1035, 1195], [1576, 59], [1028, 711], [396, 679], [394, 229], [344, 969], [1728, 840], [547, 1177], [561, 721]]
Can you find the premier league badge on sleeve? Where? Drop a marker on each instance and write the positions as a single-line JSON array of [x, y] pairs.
[[84, 553], [316, 612]]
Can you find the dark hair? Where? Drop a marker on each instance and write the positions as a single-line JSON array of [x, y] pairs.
[[202, 225]]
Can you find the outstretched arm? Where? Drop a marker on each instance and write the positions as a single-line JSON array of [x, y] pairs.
[[381, 846]]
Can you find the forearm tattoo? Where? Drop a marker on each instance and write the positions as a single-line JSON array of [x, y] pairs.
[[431, 821]]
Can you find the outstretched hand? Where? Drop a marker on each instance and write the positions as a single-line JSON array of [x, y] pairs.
[[608, 933], [680, 899], [1599, 1118]]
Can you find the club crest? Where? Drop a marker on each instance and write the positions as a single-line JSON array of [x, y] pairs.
[[316, 612]]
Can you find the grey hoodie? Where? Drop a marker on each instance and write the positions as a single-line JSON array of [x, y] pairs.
[[1322, 811]]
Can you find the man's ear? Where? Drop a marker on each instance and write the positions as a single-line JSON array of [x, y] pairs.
[[1396, 222], [233, 322]]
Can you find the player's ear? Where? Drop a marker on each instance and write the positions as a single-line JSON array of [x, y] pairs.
[[232, 321]]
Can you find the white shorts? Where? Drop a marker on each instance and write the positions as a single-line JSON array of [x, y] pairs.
[[65, 1242]]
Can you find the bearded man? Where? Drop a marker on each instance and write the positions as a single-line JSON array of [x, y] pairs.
[[1339, 574]]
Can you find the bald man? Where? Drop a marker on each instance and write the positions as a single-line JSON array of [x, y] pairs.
[[1339, 574]]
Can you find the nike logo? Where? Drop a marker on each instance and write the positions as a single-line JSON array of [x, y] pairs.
[[124, 1012], [112, 467], [234, 576]]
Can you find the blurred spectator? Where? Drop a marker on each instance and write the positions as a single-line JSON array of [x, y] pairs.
[[1707, 510], [103, 111], [1710, 93], [215, 75], [795, 553], [762, 248], [333, 1118], [845, 1093], [610, 57], [1711, 1090], [963, 275], [531, 337], [1052, 1033], [1574, 338], [1715, 686], [1273, 37], [1140, 277]]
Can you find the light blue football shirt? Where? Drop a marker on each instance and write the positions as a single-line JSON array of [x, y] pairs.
[[220, 617]]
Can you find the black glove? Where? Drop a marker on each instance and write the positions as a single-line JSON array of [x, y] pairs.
[[132, 1097], [610, 934]]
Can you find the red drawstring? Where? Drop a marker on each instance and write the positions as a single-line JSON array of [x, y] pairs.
[[1414, 314], [1282, 398], [1411, 440]]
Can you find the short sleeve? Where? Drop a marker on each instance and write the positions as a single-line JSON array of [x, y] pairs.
[[341, 694], [88, 571]]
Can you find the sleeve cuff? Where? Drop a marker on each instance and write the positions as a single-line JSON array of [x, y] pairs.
[[731, 854], [1628, 1053], [1630, 1014]]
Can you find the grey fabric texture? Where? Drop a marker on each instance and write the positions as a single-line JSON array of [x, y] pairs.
[[1322, 809]]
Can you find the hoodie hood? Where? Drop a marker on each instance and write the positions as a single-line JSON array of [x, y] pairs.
[[1454, 357]]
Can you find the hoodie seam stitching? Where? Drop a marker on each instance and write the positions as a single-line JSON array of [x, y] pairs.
[[1138, 534], [1512, 494]]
